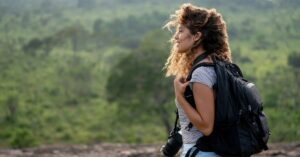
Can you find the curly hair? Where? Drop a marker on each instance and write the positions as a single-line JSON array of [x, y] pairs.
[[214, 37]]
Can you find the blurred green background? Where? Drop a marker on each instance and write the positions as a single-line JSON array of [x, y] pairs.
[[90, 71]]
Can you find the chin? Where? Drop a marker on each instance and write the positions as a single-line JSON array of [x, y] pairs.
[[179, 49], [182, 50]]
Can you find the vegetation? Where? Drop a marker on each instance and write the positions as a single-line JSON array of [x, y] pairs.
[[86, 71]]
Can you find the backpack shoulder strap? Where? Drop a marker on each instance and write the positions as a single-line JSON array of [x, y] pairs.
[[237, 69]]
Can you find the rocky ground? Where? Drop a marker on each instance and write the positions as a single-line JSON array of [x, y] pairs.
[[125, 150]]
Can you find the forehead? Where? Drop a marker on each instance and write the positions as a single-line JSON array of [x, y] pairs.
[[181, 26]]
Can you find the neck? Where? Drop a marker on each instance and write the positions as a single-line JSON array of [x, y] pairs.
[[198, 52]]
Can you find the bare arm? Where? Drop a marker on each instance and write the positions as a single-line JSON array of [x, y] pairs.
[[203, 117]]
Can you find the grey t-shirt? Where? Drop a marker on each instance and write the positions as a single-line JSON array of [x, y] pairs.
[[206, 76]]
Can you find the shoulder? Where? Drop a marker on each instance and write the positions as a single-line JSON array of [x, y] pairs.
[[205, 69], [204, 75]]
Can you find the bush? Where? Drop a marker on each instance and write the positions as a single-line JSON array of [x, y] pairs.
[[22, 138]]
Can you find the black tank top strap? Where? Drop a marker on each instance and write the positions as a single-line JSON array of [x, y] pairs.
[[200, 58]]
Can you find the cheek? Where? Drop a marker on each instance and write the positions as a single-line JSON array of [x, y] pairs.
[[185, 44]]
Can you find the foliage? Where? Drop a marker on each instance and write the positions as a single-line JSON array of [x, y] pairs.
[[90, 71], [137, 82]]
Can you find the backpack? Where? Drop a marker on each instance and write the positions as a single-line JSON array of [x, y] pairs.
[[240, 127]]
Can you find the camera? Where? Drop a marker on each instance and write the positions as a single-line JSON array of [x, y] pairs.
[[173, 144]]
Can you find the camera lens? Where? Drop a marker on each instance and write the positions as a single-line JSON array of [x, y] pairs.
[[173, 145]]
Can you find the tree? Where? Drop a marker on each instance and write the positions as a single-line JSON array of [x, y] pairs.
[[138, 84], [12, 107], [294, 60]]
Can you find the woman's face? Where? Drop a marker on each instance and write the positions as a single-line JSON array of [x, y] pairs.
[[183, 39]]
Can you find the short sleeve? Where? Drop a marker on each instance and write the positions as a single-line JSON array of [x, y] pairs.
[[204, 75]]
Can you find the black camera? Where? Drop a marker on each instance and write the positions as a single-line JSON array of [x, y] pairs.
[[173, 144]]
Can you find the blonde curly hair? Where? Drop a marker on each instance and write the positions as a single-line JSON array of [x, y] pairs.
[[214, 37]]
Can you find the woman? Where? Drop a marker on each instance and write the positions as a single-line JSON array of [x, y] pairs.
[[198, 30]]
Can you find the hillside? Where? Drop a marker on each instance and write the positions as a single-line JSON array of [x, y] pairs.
[[89, 71]]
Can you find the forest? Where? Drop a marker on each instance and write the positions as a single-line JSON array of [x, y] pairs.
[[90, 71]]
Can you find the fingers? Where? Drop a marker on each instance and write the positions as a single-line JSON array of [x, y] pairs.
[[180, 85], [186, 83], [176, 80], [181, 80]]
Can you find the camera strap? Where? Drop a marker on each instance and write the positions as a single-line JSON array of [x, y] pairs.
[[176, 120]]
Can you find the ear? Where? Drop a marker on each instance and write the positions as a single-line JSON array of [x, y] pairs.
[[197, 36]]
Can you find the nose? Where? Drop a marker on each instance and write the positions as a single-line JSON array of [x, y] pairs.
[[176, 36]]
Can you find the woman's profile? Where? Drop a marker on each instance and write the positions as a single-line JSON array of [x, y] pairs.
[[199, 31]]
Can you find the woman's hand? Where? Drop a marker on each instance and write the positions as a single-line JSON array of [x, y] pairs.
[[180, 85]]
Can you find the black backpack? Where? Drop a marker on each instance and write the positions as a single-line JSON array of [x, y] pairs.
[[240, 127]]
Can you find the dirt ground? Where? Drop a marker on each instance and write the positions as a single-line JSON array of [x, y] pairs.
[[126, 150]]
